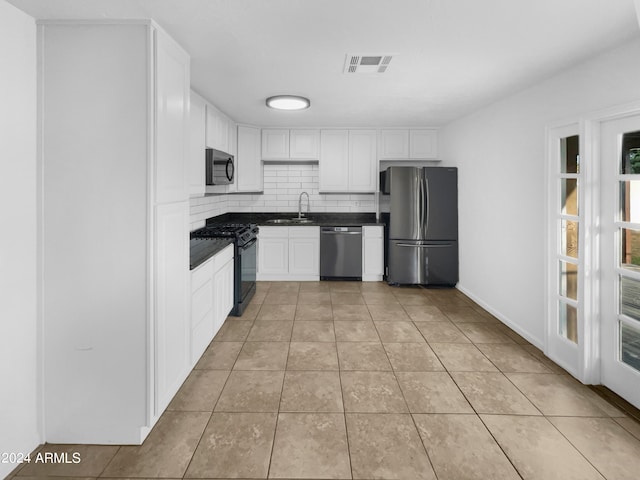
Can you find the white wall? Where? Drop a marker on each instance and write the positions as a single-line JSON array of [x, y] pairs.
[[500, 152], [19, 419]]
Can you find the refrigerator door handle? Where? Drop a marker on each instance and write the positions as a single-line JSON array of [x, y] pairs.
[[423, 246], [427, 200]]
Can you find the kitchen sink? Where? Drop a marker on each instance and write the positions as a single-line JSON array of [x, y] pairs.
[[301, 220], [280, 221]]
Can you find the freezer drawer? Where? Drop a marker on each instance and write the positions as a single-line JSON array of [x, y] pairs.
[[423, 263], [341, 253]]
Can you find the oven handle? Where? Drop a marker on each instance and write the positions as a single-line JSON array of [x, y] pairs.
[[250, 244]]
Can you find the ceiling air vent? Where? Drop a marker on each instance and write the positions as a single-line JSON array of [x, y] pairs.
[[366, 63]]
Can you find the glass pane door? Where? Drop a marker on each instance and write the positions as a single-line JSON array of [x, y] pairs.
[[620, 256], [565, 252]]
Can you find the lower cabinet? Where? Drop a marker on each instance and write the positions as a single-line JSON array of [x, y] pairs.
[[372, 253], [289, 253], [211, 299]]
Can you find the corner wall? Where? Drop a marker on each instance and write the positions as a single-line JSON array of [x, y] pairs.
[[500, 153], [19, 389]]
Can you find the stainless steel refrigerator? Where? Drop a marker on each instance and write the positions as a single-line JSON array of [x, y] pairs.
[[422, 245]]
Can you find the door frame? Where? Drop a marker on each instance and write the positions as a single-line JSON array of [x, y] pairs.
[[588, 364]]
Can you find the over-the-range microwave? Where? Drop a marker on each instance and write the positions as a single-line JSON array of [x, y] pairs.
[[219, 167]]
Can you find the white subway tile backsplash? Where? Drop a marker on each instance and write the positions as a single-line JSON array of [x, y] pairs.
[[283, 184]]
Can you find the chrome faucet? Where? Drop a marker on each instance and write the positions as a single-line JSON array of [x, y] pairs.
[[300, 204]]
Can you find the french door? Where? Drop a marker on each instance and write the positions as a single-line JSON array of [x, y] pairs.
[[565, 314], [619, 238]]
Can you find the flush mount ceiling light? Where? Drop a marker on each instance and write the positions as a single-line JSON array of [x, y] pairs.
[[288, 102]]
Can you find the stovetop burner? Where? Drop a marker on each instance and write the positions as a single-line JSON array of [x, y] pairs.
[[243, 233]]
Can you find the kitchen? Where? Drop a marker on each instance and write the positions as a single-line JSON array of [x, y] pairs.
[[480, 141]]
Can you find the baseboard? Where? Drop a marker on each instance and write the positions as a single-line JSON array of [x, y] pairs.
[[503, 318]]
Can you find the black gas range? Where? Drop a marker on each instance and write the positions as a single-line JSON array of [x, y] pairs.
[[245, 237]]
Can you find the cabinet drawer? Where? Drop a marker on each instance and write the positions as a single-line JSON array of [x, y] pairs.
[[220, 258], [201, 274], [274, 232], [304, 232]]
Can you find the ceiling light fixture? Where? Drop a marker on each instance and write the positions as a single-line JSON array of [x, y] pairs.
[[288, 102]]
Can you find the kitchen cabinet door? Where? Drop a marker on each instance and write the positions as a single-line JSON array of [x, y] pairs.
[[202, 309], [223, 293], [172, 121], [394, 144], [217, 129], [423, 144], [334, 161], [275, 144], [273, 253], [372, 253], [198, 133], [249, 166], [171, 301], [304, 252], [304, 144], [363, 162]]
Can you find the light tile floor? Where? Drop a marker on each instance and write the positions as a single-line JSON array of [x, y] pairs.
[[361, 380]]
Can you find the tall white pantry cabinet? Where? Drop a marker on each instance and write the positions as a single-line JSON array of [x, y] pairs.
[[114, 119]]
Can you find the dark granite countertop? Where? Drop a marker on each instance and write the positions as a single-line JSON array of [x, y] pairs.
[[318, 219], [202, 249]]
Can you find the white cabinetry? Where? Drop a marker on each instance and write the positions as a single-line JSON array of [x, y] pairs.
[[289, 253], [372, 253], [363, 164], [348, 161], [294, 144], [222, 287], [115, 305], [304, 144], [408, 144], [249, 167], [423, 144], [275, 144], [217, 129], [211, 299], [334, 161], [197, 145], [394, 144], [304, 252]]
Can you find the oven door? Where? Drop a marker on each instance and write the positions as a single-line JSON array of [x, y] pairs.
[[246, 270]]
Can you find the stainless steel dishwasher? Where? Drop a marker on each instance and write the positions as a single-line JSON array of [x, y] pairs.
[[341, 253]]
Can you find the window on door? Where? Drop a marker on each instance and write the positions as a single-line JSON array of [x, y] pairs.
[[568, 252]]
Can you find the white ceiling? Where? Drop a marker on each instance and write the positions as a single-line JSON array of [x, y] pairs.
[[450, 56]]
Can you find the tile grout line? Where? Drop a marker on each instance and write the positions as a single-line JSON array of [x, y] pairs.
[[284, 377], [404, 399]]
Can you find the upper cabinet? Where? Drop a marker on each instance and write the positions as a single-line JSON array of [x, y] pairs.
[[275, 144], [249, 167], [217, 129], [408, 144], [290, 145], [197, 145], [423, 144], [348, 162], [209, 128]]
